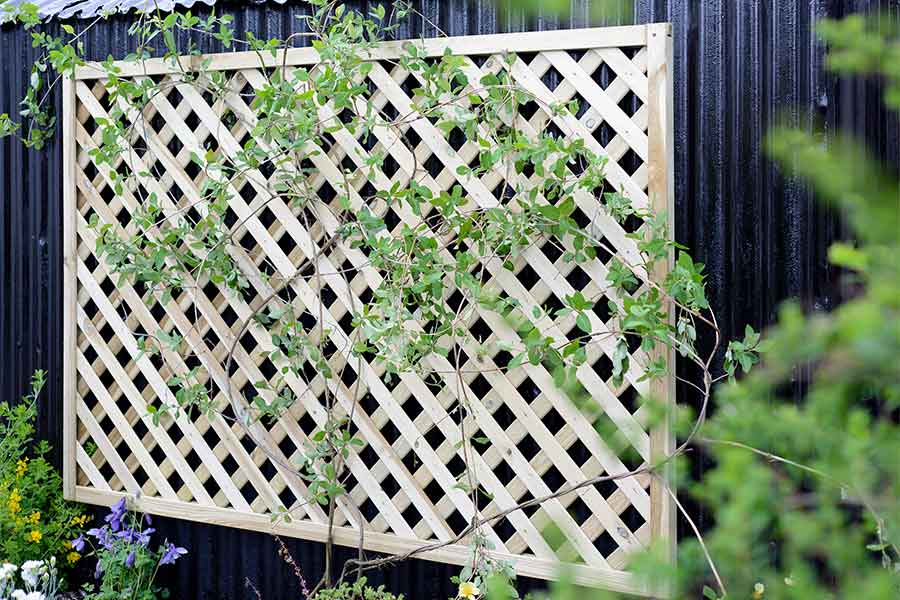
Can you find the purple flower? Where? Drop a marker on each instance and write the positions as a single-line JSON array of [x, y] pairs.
[[116, 515], [129, 560], [78, 543], [143, 537], [103, 535], [136, 536], [98, 571], [96, 532], [171, 554]]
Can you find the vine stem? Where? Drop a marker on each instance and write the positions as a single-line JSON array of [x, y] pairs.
[[867, 504], [696, 530]]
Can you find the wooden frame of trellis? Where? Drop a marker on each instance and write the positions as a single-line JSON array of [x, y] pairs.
[[171, 468]]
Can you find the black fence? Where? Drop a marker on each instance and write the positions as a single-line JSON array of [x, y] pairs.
[[739, 66]]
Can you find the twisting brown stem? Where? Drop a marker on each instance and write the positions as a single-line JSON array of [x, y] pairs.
[[706, 554]]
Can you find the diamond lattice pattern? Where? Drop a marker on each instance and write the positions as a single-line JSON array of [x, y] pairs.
[[530, 438]]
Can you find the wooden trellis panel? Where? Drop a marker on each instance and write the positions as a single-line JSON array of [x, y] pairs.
[[404, 479]]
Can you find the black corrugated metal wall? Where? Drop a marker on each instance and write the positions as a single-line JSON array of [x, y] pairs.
[[739, 65]]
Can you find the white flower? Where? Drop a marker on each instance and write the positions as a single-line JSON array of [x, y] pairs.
[[31, 572], [7, 570], [22, 595]]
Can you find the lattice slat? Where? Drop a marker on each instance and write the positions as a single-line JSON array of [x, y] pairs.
[[402, 486]]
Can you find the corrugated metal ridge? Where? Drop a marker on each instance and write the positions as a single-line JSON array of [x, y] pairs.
[[90, 8]]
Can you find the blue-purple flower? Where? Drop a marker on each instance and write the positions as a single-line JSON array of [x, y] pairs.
[[103, 535], [171, 554], [122, 539], [117, 515], [136, 536]]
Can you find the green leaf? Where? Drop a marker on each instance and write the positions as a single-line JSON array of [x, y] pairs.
[[583, 322], [620, 360]]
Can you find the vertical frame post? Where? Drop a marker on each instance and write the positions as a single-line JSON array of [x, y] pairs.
[[70, 287], [660, 132]]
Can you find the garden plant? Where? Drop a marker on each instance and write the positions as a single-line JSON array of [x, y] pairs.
[[126, 561], [36, 523]]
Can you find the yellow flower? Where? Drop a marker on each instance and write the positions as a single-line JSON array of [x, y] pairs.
[[21, 467], [468, 590], [79, 521], [34, 517], [758, 591], [72, 557], [35, 536], [14, 502]]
